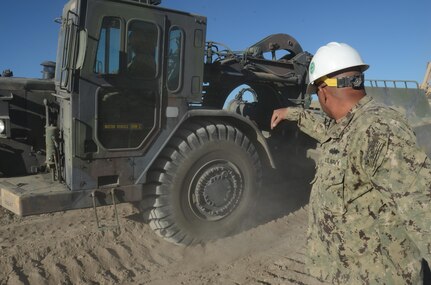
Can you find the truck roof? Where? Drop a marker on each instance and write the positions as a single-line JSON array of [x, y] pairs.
[[165, 9]]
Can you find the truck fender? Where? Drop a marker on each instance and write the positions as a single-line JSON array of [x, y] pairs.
[[235, 119], [247, 126]]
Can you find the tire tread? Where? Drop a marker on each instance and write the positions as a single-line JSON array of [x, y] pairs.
[[188, 138]]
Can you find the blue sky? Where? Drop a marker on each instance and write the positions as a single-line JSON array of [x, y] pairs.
[[393, 37]]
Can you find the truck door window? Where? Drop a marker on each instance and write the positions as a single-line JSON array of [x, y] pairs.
[[174, 58], [127, 110], [142, 39], [108, 50]]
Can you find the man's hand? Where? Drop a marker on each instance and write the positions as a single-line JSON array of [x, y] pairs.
[[277, 116]]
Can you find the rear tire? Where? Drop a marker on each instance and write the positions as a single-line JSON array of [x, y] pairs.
[[204, 183]]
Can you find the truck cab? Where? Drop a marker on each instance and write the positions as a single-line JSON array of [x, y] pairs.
[[122, 85]]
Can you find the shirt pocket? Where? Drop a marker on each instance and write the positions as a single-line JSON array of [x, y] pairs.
[[331, 190], [354, 196]]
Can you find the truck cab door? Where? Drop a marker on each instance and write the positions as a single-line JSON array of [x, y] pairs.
[[116, 115], [128, 102], [133, 86], [121, 98]]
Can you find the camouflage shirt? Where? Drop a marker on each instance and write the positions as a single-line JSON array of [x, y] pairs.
[[370, 204]]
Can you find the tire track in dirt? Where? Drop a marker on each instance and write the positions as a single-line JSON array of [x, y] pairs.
[[66, 248]]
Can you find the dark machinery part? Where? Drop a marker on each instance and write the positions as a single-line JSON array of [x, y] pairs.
[[53, 152], [238, 104], [22, 107], [250, 110], [7, 73], [48, 71], [277, 82]]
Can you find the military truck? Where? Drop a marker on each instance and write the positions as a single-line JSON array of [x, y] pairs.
[[135, 114], [140, 111]]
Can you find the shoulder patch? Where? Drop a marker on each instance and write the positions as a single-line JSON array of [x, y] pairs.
[[375, 154]]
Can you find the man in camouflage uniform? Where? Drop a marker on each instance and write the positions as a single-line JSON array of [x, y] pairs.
[[370, 204]]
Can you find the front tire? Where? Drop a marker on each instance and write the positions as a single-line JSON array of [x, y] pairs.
[[204, 183]]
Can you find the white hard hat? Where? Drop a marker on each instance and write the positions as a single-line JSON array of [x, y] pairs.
[[331, 58]]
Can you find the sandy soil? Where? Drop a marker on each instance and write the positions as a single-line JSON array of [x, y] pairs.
[[68, 248]]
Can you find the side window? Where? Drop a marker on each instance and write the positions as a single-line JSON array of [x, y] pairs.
[[176, 36], [108, 50], [66, 57], [142, 41], [67, 34]]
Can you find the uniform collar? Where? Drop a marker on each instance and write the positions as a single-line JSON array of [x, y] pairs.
[[336, 129]]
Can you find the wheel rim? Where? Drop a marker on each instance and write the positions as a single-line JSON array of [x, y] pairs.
[[215, 190]]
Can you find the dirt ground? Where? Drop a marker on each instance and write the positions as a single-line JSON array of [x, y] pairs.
[[68, 248]]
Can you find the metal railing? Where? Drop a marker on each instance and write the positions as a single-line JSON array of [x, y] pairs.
[[392, 83]]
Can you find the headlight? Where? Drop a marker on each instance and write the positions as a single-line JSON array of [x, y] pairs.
[[2, 126]]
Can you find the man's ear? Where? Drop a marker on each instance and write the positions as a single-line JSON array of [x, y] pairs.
[[324, 94]]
